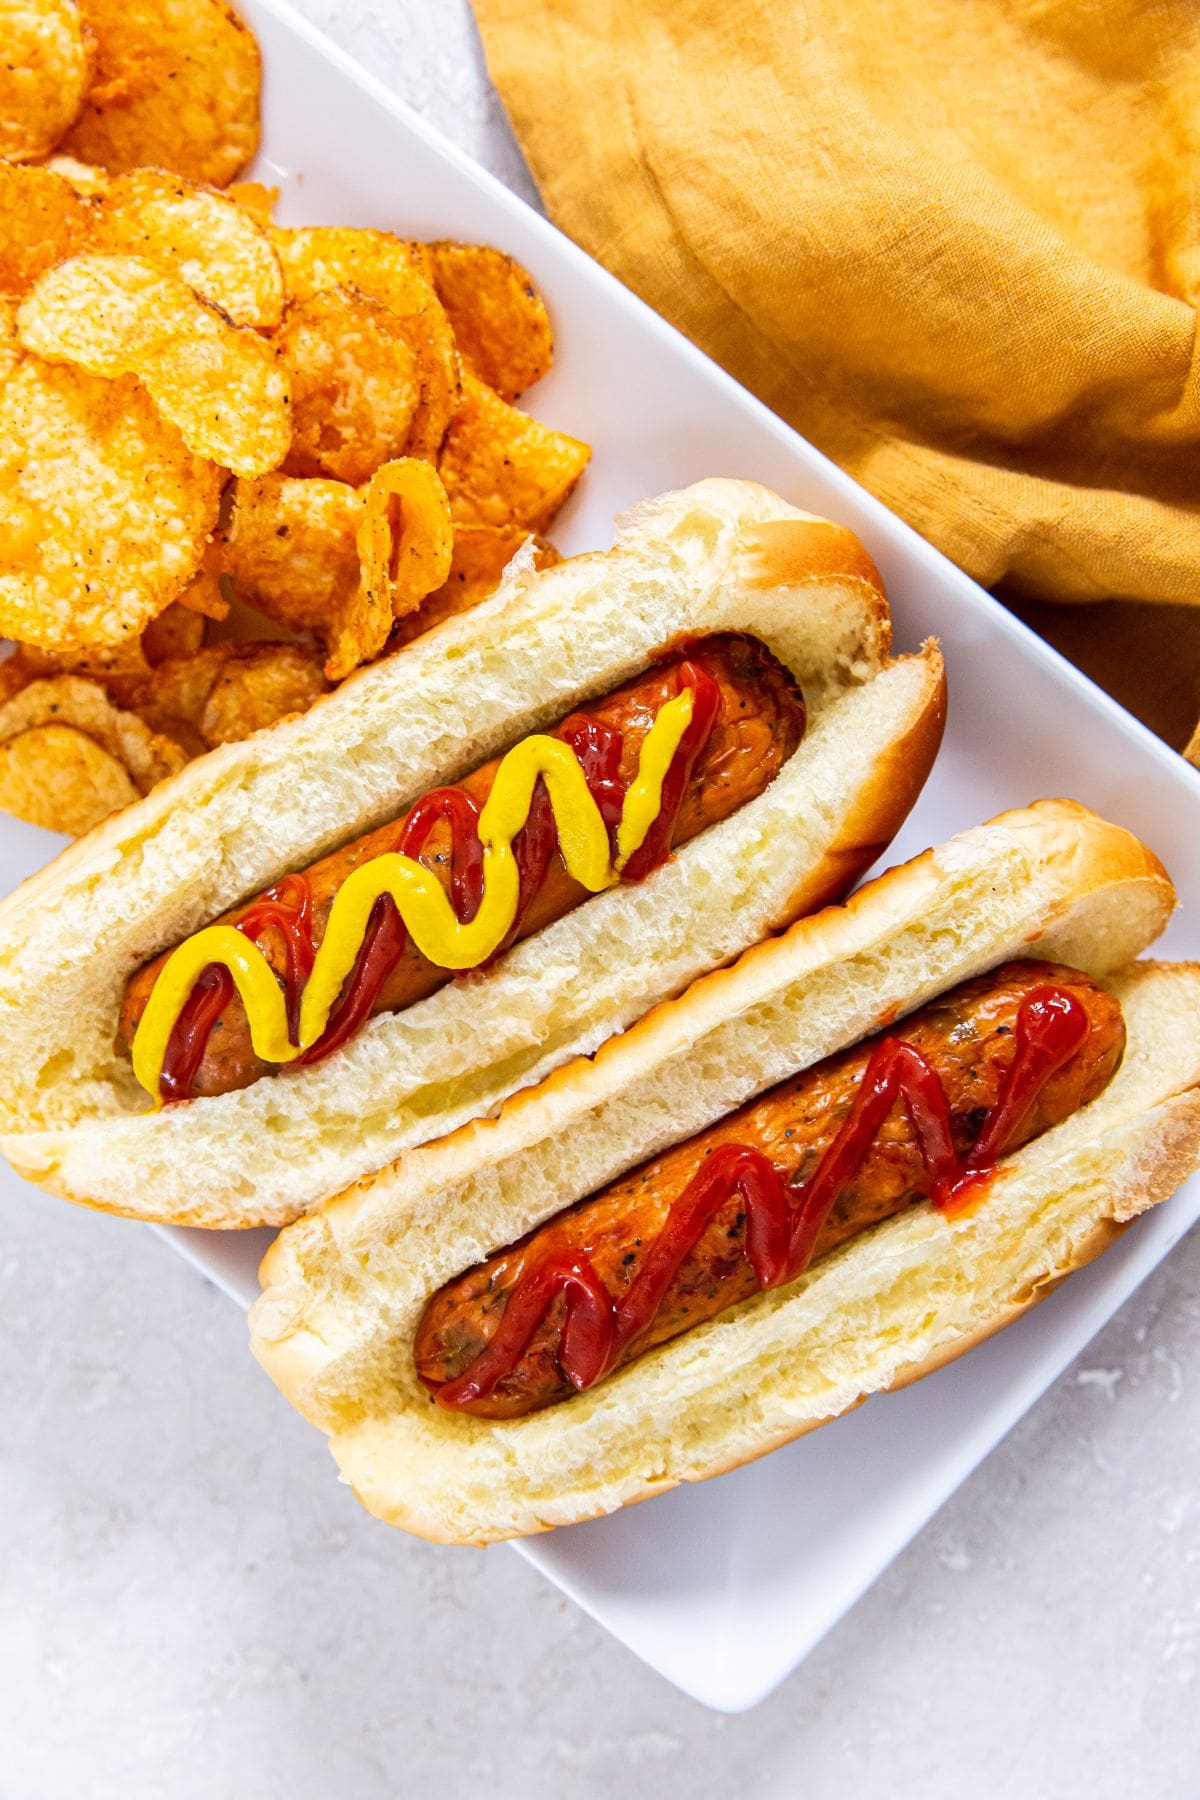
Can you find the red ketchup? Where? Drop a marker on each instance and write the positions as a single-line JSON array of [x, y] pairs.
[[287, 907], [783, 1222], [386, 935]]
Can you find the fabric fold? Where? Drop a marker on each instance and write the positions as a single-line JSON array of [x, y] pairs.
[[953, 242]]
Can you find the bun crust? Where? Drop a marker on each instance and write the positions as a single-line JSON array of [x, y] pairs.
[[719, 556], [344, 1288]]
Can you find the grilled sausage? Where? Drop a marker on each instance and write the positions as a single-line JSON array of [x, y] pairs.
[[760, 723], [966, 1036]]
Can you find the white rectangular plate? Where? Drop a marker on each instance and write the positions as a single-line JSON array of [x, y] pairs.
[[725, 1588]]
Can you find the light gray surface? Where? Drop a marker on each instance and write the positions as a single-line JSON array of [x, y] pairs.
[[191, 1606]]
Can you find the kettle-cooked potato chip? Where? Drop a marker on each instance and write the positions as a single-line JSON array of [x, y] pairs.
[[104, 512], [42, 220], [68, 756], [221, 385], [44, 68], [500, 320], [500, 467], [289, 548], [113, 666], [118, 668], [404, 548], [13, 676], [406, 539], [227, 691], [72, 700], [204, 596], [256, 198], [177, 631], [317, 257], [259, 685], [176, 87], [290, 551], [59, 778], [399, 276], [209, 241], [10, 348], [358, 629], [86, 179], [356, 384]]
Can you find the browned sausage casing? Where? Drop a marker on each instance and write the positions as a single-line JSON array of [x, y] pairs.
[[966, 1036], [760, 723]]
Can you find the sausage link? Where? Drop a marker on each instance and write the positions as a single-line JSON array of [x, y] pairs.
[[967, 1038], [760, 723]]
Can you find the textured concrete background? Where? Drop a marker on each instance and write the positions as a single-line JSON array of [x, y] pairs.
[[192, 1608]]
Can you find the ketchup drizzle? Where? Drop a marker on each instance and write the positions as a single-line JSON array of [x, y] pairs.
[[287, 907], [189, 1039], [386, 934], [655, 847], [783, 1221]]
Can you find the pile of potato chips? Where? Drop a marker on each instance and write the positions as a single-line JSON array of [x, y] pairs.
[[214, 428]]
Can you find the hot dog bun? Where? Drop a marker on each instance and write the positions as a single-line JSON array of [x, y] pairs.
[[344, 1289], [720, 556]]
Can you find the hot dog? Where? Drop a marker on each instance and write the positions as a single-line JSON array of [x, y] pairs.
[[477, 859], [969, 1039], [812, 1177], [754, 722]]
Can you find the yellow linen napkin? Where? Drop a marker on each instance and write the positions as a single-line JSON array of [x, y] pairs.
[[956, 243]]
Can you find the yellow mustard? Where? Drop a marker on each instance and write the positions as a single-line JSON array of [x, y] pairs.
[[262, 997], [420, 898]]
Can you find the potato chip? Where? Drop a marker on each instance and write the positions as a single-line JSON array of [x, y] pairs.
[[104, 512], [172, 697], [500, 320], [227, 691], [14, 675], [59, 778], [404, 548], [222, 385], [481, 555], [44, 71], [289, 548], [500, 467], [113, 667], [10, 347], [71, 700], [389, 269], [68, 756], [85, 179], [290, 551], [406, 540], [175, 632], [259, 685], [42, 220], [207, 239], [358, 630], [356, 384], [120, 669], [204, 596], [176, 87], [398, 275], [256, 198]]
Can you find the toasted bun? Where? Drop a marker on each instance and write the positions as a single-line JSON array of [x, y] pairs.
[[345, 1288], [720, 556]]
